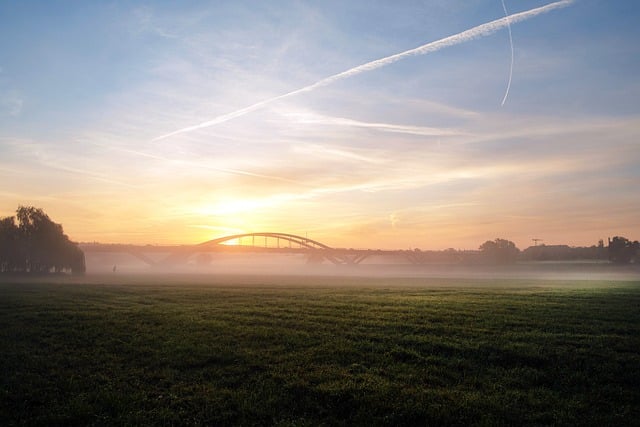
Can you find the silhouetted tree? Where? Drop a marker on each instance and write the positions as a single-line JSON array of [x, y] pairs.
[[622, 250], [11, 246], [499, 251], [36, 244], [563, 253]]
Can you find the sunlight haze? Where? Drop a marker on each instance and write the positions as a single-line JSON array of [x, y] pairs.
[[179, 122]]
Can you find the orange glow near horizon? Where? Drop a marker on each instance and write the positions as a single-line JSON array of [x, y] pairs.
[[389, 233], [189, 133], [358, 216]]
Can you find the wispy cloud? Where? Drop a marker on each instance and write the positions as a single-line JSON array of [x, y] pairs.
[[12, 103], [462, 37], [145, 21], [492, 128], [189, 163], [38, 156], [336, 151], [308, 117], [439, 108]]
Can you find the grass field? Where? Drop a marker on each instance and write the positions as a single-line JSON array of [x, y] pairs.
[[319, 351]]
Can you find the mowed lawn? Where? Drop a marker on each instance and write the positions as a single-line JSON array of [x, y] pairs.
[[319, 351]]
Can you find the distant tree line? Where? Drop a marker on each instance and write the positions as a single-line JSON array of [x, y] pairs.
[[498, 251], [31, 243], [565, 253], [620, 250]]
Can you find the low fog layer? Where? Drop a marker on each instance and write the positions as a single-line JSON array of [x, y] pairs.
[[121, 264]]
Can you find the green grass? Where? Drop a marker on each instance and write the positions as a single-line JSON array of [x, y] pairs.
[[332, 351]]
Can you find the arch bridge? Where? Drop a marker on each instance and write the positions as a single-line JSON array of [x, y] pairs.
[[314, 251], [301, 242]]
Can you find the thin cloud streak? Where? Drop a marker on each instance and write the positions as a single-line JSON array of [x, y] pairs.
[[195, 164], [41, 156], [440, 108], [506, 93], [551, 126], [340, 152], [479, 31], [310, 118]]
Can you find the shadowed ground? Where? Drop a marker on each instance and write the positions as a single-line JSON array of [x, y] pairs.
[[321, 350]]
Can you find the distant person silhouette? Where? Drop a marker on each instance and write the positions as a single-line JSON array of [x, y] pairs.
[[114, 268]]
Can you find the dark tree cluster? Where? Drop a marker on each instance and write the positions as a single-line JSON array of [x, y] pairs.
[[564, 253], [35, 244], [623, 250], [499, 251]]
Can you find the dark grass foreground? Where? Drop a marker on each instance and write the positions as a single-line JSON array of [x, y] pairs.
[[466, 353]]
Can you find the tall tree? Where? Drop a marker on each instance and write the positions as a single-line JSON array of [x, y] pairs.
[[11, 247], [36, 244], [500, 251], [622, 250]]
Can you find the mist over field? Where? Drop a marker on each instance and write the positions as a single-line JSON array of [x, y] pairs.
[[320, 213], [265, 265]]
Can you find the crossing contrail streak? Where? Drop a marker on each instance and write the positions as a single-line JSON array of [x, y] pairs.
[[506, 93], [482, 30]]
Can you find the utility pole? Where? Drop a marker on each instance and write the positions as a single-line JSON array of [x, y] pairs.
[[535, 241]]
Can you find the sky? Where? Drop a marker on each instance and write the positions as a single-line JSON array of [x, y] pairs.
[[179, 122]]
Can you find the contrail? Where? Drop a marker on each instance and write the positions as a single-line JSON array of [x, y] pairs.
[[465, 36], [506, 93]]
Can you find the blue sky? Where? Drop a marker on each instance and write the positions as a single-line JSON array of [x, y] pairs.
[[417, 153]]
